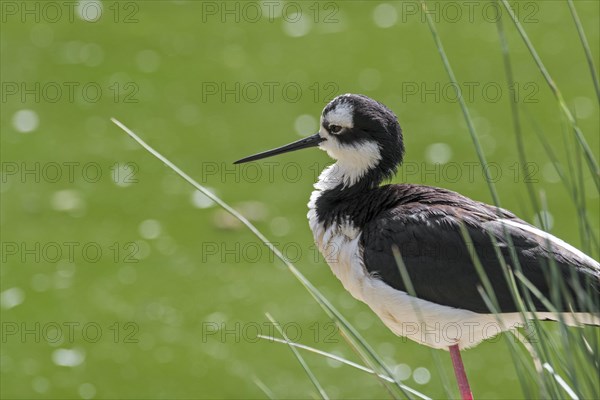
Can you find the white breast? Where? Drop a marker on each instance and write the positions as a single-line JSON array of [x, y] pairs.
[[425, 322]]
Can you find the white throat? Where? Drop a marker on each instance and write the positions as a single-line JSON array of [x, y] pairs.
[[350, 167]]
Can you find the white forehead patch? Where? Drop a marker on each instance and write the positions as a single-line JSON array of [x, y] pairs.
[[341, 115]]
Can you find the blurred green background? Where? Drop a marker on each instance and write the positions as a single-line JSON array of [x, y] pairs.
[[116, 275]]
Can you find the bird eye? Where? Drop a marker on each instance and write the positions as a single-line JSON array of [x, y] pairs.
[[334, 128]]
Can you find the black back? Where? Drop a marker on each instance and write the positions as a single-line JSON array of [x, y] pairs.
[[424, 223]]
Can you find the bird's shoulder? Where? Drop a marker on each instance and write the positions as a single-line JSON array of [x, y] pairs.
[[425, 204], [430, 213], [421, 218], [427, 214]]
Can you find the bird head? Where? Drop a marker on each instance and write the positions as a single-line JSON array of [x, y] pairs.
[[363, 135]]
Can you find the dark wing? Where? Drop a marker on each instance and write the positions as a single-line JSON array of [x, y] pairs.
[[440, 266]]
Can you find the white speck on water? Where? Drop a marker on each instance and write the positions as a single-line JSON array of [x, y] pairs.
[[253, 210], [584, 107], [385, 15], [280, 226], [25, 121], [124, 174], [218, 318], [40, 384], [306, 125], [140, 250], [89, 10], [68, 357], [402, 371], [87, 391], [296, 25], [91, 54], [422, 375], [67, 200], [438, 153], [200, 200], [149, 229], [387, 349], [12, 297], [482, 125]]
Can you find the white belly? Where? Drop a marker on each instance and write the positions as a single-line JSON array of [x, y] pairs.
[[428, 323]]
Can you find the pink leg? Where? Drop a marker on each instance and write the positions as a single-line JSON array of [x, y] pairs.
[[459, 371]]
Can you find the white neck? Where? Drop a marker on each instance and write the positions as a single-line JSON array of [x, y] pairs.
[[350, 166]]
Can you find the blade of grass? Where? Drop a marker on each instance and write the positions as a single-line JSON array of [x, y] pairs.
[[300, 359], [524, 302], [561, 382], [581, 206], [363, 356], [331, 356], [591, 160], [569, 186], [559, 293], [264, 388], [343, 361], [586, 46], [578, 188], [463, 105], [516, 117], [565, 358]]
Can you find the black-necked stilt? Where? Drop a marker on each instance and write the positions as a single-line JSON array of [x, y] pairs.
[[363, 222]]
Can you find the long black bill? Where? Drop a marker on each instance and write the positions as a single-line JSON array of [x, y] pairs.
[[310, 141]]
